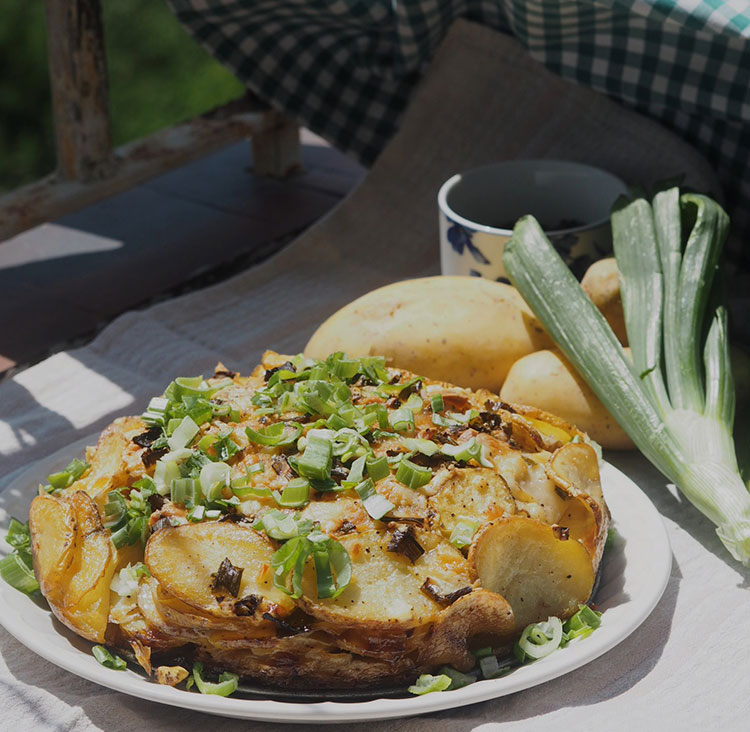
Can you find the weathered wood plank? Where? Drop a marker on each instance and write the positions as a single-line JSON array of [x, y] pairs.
[[80, 99], [51, 197]]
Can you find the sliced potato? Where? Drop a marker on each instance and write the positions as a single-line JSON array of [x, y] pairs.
[[52, 525], [574, 469], [385, 590], [184, 559], [73, 560], [115, 460], [537, 572], [479, 494]]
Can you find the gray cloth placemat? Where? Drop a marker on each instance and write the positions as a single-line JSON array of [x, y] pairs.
[[482, 100]]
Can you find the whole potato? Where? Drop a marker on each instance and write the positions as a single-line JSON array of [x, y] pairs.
[[465, 330], [602, 284], [548, 381]]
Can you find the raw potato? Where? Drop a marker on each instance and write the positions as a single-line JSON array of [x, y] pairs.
[[547, 380], [602, 284], [538, 573], [183, 559], [465, 330]]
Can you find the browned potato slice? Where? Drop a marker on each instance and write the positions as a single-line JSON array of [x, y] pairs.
[[385, 590], [479, 494], [183, 559], [53, 531], [76, 582], [94, 552], [538, 573], [115, 460], [574, 469]]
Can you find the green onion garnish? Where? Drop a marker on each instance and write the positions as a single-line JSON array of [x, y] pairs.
[[296, 493], [413, 475], [582, 624], [458, 679], [196, 513], [539, 639], [427, 683], [16, 570], [115, 509], [279, 434], [74, 470], [183, 490], [214, 477], [107, 659], [357, 470], [426, 447], [283, 526], [402, 420], [463, 532], [375, 504], [378, 468], [226, 685], [466, 451], [436, 402], [316, 461]]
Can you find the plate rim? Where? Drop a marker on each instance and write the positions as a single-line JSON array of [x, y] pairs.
[[330, 712]]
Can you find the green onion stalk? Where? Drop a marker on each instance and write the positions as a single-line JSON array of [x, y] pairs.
[[676, 398]]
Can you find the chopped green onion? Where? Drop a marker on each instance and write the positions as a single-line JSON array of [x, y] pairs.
[[214, 477], [213, 513], [482, 652], [317, 460], [426, 447], [427, 683], [413, 475], [465, 451], [402, 420], [582, 624], [490, 667], [196, 513], [279, 434], [107, 659], [436, 402], [283, 526], [458, 679], [183, 490], [375, 504], [539, 639], [164, 473], [115, 509], [357, 470], [226, 685], [16, 570], [296, 493], [378, 468], [74, 470], [463, 532]]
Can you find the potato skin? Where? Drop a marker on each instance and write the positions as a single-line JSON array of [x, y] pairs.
[[602, 284], [547, 380], [464, 330]]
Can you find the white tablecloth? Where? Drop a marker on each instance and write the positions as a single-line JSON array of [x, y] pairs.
[[687, 667]]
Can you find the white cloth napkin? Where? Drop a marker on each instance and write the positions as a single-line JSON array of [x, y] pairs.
[[482, 100]]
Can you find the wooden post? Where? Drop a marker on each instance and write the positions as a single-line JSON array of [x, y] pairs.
[[80, 100], [276, 152]]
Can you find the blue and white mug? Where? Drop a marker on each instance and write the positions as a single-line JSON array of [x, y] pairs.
[[479, 208]]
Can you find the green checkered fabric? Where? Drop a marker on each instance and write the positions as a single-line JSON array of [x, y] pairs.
[[346, 68]]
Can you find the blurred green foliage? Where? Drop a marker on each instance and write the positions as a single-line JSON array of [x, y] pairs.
[[158, 76]]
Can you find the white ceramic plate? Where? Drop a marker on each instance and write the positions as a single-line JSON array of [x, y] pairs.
[[635, 573]]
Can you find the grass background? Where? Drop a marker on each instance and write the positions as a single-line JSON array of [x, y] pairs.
[[158, 75]]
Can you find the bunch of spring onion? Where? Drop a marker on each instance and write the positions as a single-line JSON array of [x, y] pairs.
[[676, 398]]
